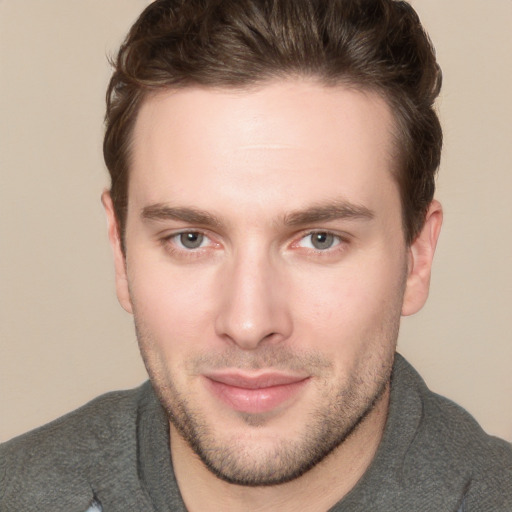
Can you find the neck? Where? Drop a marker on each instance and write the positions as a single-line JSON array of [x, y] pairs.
[[317, 490]]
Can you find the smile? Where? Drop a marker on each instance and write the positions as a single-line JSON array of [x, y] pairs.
[[255, 394]]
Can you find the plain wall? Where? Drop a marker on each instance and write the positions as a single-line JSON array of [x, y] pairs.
[[64, 339]]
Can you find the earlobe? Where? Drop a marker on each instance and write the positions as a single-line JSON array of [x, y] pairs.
[[114, 237], [420, 257]]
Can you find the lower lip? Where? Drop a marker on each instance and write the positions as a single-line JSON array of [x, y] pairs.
[[254, 401]]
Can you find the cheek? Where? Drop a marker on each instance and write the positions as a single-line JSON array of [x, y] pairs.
[[351, 306], [174, 305]]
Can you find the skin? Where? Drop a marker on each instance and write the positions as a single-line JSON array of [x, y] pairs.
[[253, 177]]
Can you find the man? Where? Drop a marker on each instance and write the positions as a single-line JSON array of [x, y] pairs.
[[272, 216]]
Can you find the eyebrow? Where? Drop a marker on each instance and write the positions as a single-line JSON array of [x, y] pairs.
[[190, 215], [334, 210]]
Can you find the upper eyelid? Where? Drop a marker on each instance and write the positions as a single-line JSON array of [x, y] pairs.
[[167, 235], [319, 230], [341, 235]]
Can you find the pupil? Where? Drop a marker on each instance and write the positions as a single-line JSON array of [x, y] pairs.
[[191, 240], [322, 240]]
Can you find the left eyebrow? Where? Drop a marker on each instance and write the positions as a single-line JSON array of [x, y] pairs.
[[334, 210], [190, 215]]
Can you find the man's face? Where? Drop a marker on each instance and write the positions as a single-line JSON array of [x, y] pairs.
[[266, 267]]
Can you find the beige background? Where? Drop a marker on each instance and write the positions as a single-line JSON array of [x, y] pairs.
[[65, 340]]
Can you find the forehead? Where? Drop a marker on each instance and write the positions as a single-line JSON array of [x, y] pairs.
[[293, 140]]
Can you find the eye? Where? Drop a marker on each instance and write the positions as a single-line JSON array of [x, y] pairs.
[[320, 240], [190, 239], [189, 245]]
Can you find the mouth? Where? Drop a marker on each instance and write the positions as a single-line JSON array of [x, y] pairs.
[[255, 394]]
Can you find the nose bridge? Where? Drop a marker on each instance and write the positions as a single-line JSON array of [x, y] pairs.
[[252, 309]]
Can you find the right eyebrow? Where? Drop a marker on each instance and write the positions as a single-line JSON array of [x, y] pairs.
[[164, 212]]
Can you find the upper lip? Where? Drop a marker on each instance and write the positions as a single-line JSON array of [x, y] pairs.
[[262, 380]]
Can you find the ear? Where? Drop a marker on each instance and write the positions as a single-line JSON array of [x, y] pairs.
[[114, 236], [420, 257]]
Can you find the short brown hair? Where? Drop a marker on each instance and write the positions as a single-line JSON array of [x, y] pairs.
[[374, 45]]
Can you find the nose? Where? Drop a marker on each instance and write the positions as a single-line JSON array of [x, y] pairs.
[[254, 308]]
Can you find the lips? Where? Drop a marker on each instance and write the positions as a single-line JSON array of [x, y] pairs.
[[255, 393]]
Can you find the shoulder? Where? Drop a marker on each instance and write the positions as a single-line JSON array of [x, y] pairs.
[[68, 452], [464, 446], [453, 447]]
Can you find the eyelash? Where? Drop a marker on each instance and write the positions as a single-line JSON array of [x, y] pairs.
[[171, 244], [323, 232], [341, 244]]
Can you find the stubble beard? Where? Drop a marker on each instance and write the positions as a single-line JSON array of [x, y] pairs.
[[327, 426]]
